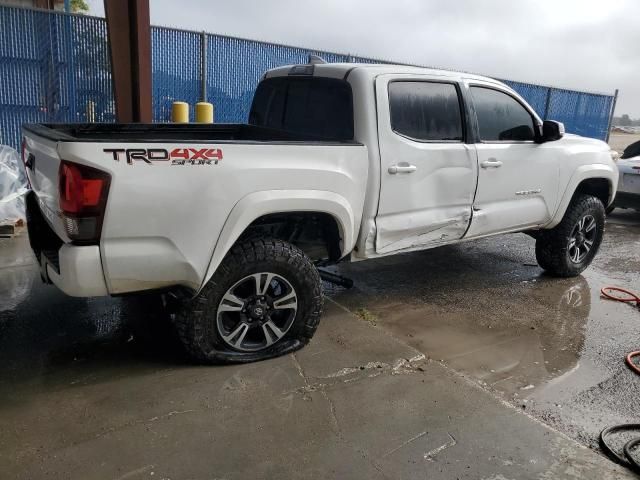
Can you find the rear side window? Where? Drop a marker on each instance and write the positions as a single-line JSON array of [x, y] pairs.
[[311, 106], [501, 117], [425, 111]]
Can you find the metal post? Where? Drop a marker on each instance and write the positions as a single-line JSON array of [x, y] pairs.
[[54, 106], [203, 66], [130, 49], [613, 110], [546, 104], [71, 69]]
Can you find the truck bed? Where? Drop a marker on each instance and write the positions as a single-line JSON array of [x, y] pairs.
[[170, 133], [166, 221]]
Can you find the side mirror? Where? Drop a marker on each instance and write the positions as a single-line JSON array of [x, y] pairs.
[[551, 131]]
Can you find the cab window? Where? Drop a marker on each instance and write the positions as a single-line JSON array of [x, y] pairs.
[[501, 118], [425, 111], [311, 106]]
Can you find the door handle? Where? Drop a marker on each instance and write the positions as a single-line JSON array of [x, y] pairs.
[[491, 163], [402, 167]]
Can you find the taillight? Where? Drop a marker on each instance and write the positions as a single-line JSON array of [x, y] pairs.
[[83, 197]]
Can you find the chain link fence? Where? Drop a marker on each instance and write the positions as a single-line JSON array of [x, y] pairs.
[[54, 67]]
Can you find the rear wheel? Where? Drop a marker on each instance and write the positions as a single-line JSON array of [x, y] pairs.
[[264, 300], [568, 249]]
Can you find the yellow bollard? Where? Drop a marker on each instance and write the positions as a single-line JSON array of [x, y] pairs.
[[91, 111], [204, 112], [180, 112]]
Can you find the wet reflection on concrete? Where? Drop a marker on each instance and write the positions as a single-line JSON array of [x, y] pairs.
[[513, 332], [550, 346], [508, 358]]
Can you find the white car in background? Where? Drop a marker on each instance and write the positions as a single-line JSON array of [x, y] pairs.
[[628, 195]]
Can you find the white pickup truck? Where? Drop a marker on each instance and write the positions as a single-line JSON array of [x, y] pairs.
[[337, 162]]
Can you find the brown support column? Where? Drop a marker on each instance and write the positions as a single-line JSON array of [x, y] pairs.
[[130, 50], [45, 4]]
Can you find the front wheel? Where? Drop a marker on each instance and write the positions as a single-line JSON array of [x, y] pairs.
[[568, 249], [264, 300]]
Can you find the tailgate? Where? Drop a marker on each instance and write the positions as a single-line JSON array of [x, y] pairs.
[[42, 163]]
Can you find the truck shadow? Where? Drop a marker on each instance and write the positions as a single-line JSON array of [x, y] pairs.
[[141, 332], [50, 337]]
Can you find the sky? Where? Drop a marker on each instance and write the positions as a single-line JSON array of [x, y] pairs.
[[591, 45]]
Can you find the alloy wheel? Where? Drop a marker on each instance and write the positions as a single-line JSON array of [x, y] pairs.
[[582, 238], [257, 311]]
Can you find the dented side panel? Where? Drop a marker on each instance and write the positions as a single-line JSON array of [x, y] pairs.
[[430, 205]]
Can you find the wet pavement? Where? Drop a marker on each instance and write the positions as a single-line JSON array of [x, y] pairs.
[[552, 347], [459, 362]]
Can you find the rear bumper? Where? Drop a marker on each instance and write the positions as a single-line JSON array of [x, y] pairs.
[[80, 271], [74, 269]]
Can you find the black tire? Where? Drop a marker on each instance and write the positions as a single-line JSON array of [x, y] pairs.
[[197, 320], [553, 246]]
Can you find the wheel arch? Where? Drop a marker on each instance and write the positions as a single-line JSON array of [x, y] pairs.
[[597, 180], [258, 206]]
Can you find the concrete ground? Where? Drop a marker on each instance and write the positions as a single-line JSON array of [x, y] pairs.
[[459, 362]]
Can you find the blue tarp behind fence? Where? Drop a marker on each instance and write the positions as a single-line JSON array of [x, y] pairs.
[[54, 67]]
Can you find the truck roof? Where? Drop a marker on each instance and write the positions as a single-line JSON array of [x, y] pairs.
[[341, 70]]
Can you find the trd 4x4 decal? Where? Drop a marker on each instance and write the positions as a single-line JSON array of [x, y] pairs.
[[177, 156]]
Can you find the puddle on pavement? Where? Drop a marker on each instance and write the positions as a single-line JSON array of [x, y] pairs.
[[489, 312], [541, 341]]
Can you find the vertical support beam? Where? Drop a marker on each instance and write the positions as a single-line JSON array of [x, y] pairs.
[[547, 103], [52, 71], [72, 114], [611, 114], [203, 66], [44, 4], [130, 50]]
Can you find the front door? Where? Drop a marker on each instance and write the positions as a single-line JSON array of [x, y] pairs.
[[428, 173], [518, 178]]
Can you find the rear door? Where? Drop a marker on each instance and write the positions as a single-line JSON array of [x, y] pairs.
[[518, 178], [428, 173]]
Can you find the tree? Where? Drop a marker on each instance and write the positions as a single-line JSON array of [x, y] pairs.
[[79, 6]]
